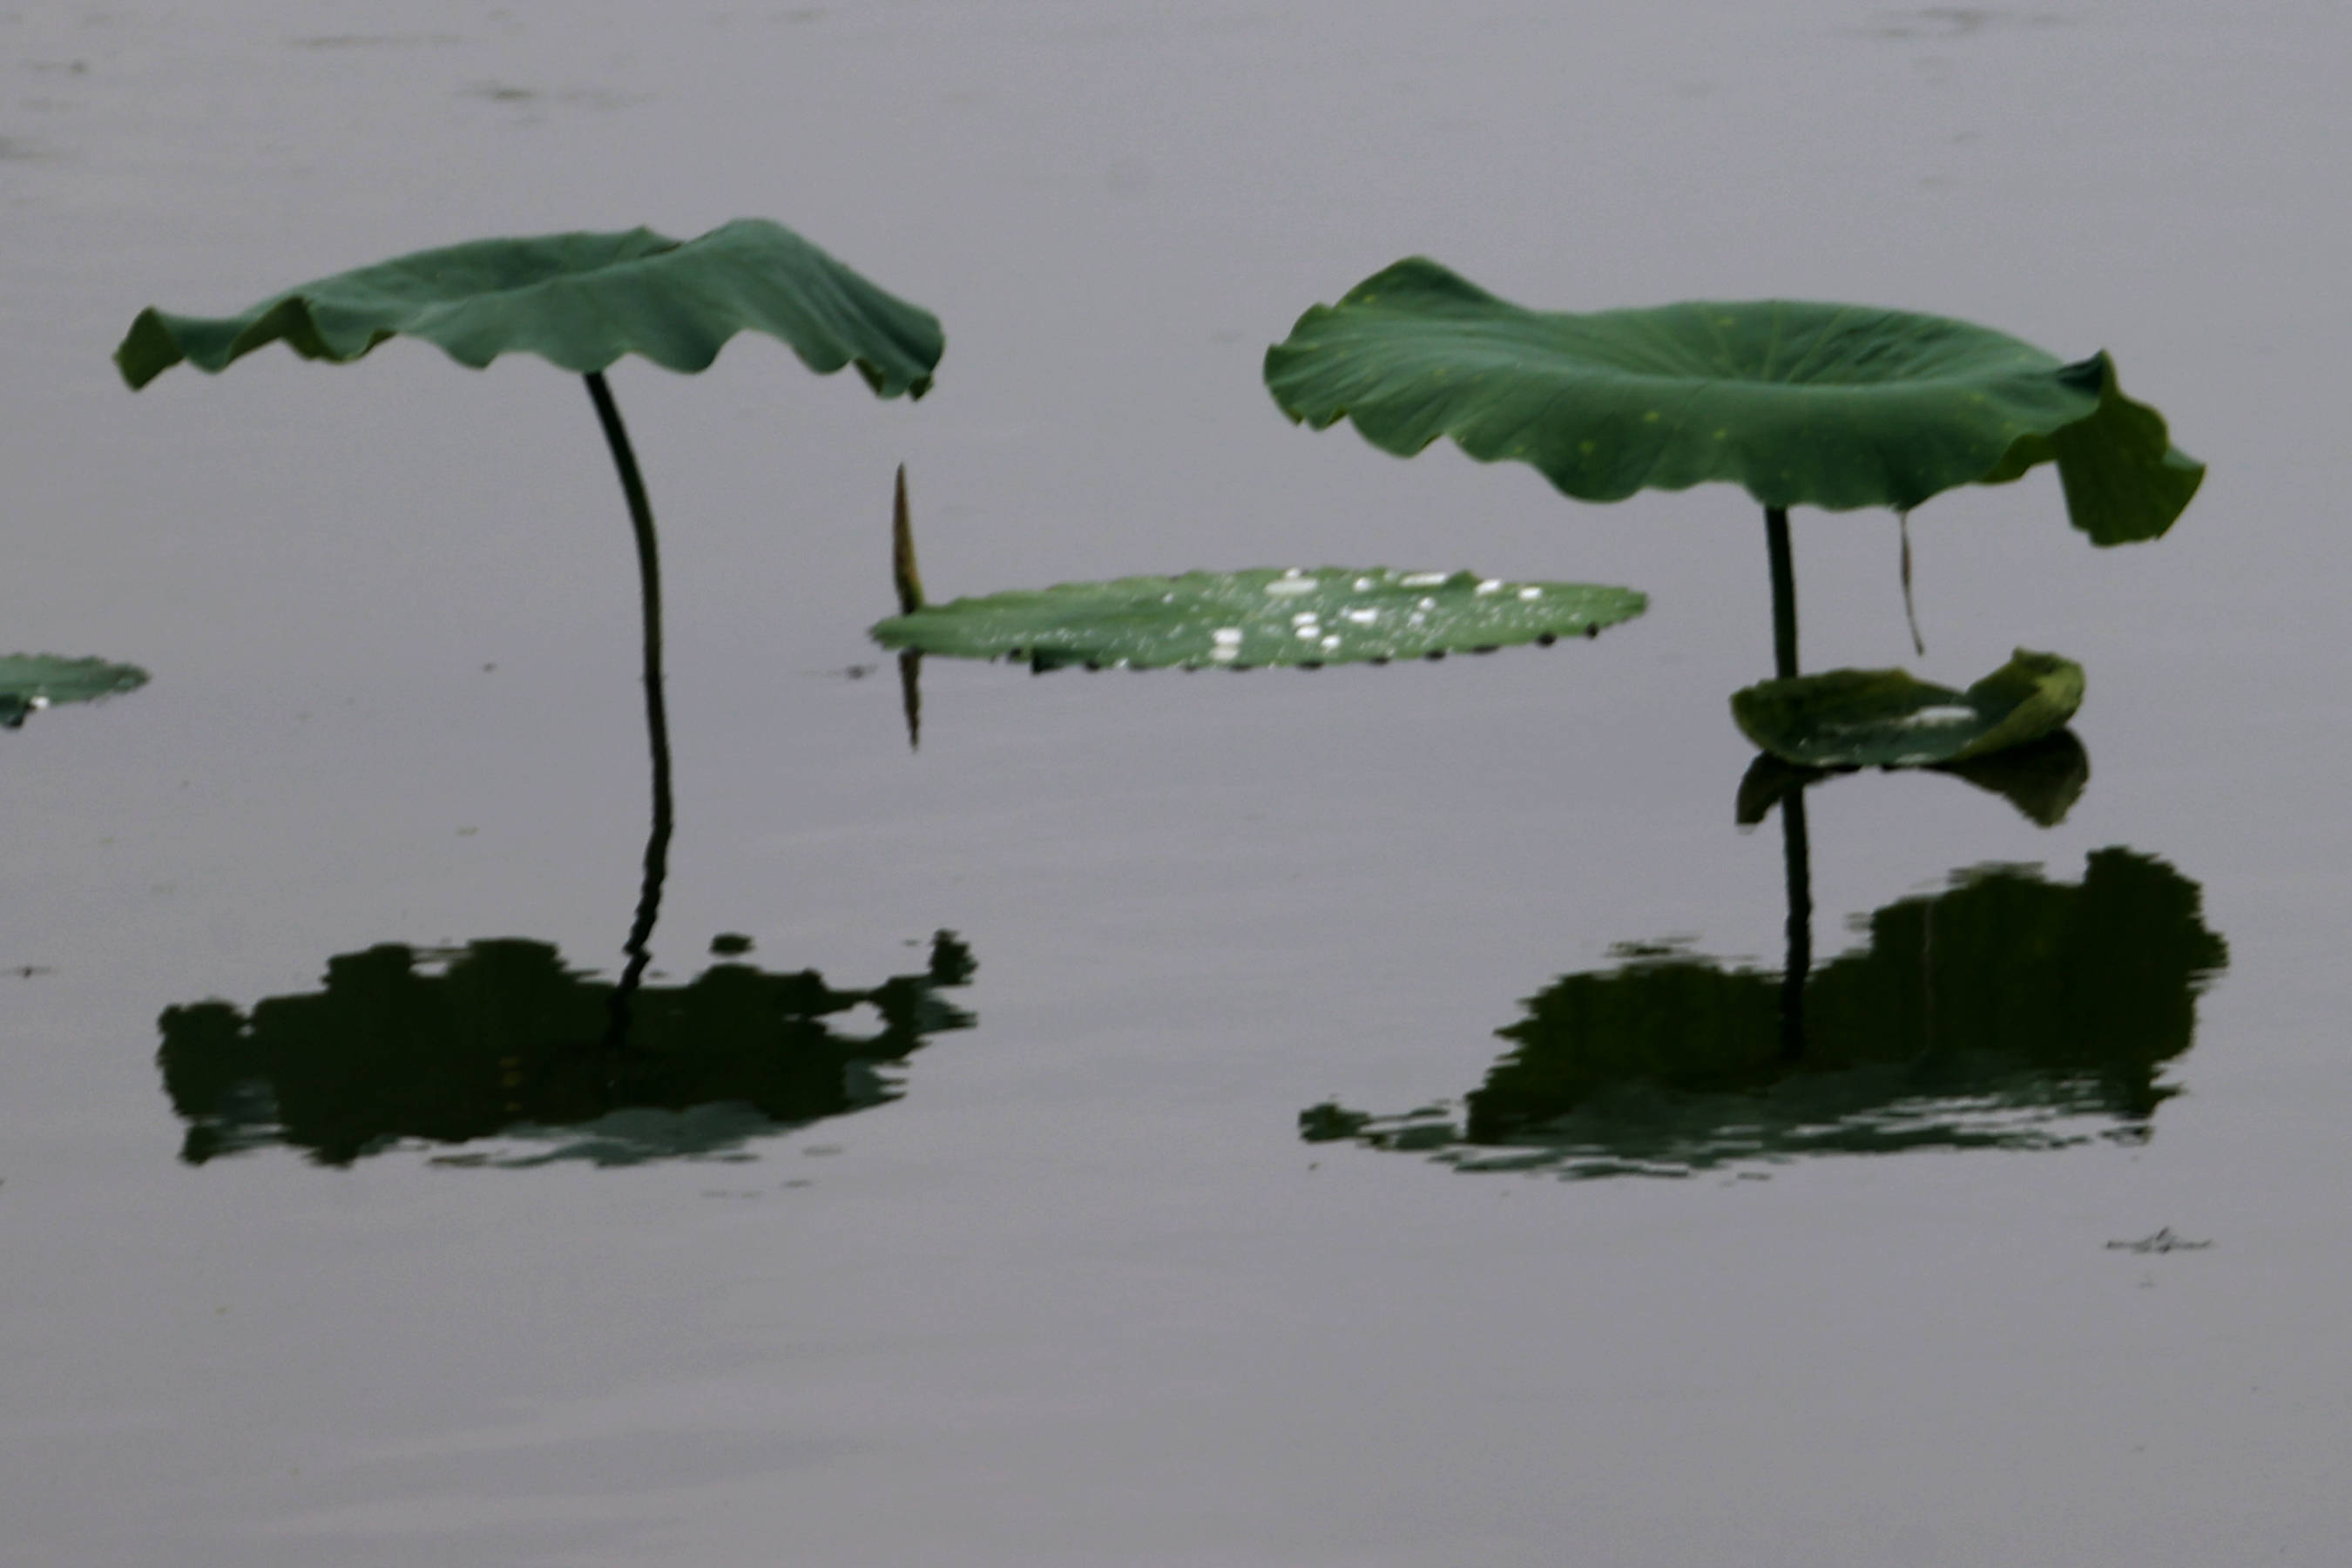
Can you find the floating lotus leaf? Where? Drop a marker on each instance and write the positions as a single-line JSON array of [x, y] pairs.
[[1241, 620], [2042, 779], [1830, 405], [580, 300], [30, 680], [1885, 717]]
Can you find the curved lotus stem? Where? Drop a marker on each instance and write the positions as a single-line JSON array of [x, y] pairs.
[[640, 521]]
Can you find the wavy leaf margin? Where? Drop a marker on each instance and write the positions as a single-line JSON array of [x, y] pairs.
[[579, 301]]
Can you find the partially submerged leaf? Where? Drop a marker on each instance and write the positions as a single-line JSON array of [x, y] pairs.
[[1241, 620], [2042, 778], [30, 680], [1805, 404], [1887, 718], [579, 300]]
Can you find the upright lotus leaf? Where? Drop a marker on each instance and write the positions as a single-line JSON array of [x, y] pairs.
[[579, 301], [1243, 620], [1887, 718], [1836, 407], [30, 680]]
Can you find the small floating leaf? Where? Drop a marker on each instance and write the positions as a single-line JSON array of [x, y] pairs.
[[2042, 779], [1242, 620], [1885, 717], [30, 680], [579, 301]]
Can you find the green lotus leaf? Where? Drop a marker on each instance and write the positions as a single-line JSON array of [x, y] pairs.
[[1887, 718], [1242, 620], [2042, 779], [30, 680], [1830, 405], [580, 300]]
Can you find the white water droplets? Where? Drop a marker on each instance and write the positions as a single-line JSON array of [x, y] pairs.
[[1943, 713]]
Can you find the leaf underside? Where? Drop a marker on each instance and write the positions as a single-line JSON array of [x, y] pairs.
[[2042, 779], [29, 681], [579, 301], [1245, 620], [1885, 717], [1836, 407]]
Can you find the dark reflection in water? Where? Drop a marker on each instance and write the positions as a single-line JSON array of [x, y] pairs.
[[2006, 1011], [501, 1039]]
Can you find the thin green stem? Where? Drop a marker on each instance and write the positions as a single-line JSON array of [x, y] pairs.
[[1784, 591], [640, 521]]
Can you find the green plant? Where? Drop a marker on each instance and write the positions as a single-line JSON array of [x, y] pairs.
[[581, 301], [1885, 717], [1289, 617], [1838, 406], [1265, 616], [35, 681]]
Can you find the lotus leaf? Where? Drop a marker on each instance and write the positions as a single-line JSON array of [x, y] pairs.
[[2042, 779], [1887, 718], [1830, 405], [1240, 620], [579, 300], [30, 680]]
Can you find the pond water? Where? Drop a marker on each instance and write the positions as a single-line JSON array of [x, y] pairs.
[[1223, 1119]]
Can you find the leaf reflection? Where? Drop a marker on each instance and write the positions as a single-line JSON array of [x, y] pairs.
[[501, 1039], [2006, 1011]]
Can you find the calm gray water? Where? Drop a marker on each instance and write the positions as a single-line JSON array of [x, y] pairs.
[[1043, 1271]]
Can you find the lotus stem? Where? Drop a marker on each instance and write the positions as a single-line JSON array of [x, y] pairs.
[[1797, 852], [909, 582], [1784, 593], [1910, 613], [640, 521]]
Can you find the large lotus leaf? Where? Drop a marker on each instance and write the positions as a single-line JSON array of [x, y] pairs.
[[30, 680], [1241, 620], [1887, 718], [1805, 404], [580, 300]]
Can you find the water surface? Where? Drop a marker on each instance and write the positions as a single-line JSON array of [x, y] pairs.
[[1067, 1285]]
